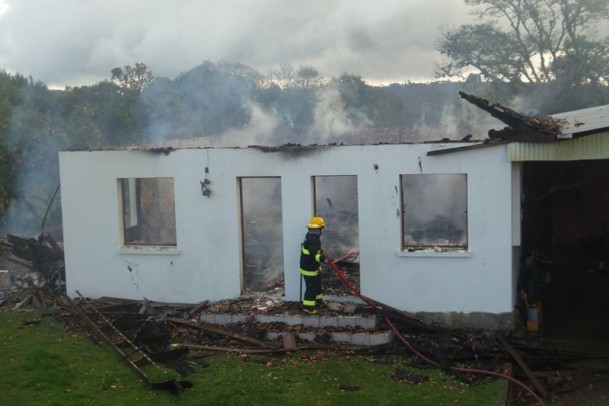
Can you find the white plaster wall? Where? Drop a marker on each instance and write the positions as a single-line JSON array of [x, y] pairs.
[[480, 281], [207, 262]]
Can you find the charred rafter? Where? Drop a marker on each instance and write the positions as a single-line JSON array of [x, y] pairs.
[[520, 127]]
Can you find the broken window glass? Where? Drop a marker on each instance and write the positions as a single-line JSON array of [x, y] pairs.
[[148, 211], [434, 208]]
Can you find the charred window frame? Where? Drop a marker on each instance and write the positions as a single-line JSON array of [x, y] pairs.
[[148, 212], [434, 211]]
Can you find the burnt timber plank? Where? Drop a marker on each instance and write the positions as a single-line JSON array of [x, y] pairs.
[[524, 367], [221, 331]]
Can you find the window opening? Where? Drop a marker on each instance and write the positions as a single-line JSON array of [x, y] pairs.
[[262, 234], [434, 208], [148, 211]]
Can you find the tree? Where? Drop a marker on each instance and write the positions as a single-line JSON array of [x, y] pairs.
[[98, 115], [119, 112], [29, 156], [207, 100], [309, 77], [590, 61], [10, 97], [543, 40], [132, 80], [286, 77]]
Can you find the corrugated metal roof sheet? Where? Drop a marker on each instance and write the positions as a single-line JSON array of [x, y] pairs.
[[595, 146], [582, 121]]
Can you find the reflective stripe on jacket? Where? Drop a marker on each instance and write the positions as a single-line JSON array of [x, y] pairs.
[[309, 273], [309, 264]]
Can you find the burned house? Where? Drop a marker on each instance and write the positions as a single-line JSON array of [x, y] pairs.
[[440, 229]]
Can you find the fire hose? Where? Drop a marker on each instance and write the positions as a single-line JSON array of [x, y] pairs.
[[406, 343]]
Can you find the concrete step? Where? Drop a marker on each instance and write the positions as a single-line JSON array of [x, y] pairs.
[[369, 322], [354, 329], [365, 339]]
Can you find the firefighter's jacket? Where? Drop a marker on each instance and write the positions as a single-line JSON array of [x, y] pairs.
[[311, 255]]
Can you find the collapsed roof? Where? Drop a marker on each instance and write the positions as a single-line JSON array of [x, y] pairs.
[[520, 127], [523, 128]]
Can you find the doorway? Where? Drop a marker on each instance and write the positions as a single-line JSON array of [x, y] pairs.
[[335, 199], [565, 240], [262, 234]]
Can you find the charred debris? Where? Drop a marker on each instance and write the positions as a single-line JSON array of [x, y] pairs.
[[520, 127], [152, 338], [35, 262]]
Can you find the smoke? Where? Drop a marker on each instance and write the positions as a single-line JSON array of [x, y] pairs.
[[224, 106], [332, 119], [259, 131], [208, 100], [33, 140], [457, 120], [448, 126], [523, 105], [36, 183]]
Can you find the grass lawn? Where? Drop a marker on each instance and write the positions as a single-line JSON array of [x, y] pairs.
[[42, 365]]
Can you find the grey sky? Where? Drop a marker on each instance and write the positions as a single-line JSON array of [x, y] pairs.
[[78, 42]]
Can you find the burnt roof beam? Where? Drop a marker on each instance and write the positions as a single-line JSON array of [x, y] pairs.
[[521, 128]]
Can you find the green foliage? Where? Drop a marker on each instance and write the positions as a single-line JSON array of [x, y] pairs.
[[207, 100], [356, 95], [583, 62], [424, 104], [98, 115], [543, 41], [287, 76], [32, 169], [290, 93], [294, 106], [10, 97], [131, 80], [42, 365], [495, 54], [30, 146], [375, 105]]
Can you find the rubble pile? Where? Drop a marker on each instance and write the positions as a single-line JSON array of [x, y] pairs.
[[174, 335], [349, 266], [146, 333], [35, 262]]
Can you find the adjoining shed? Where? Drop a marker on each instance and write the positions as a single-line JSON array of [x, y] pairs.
[[565, 196], [438, 232], [565, 223]]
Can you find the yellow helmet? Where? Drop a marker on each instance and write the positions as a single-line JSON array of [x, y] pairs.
[[316, 222]]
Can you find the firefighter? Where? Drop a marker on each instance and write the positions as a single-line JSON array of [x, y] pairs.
[[311, 256]]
